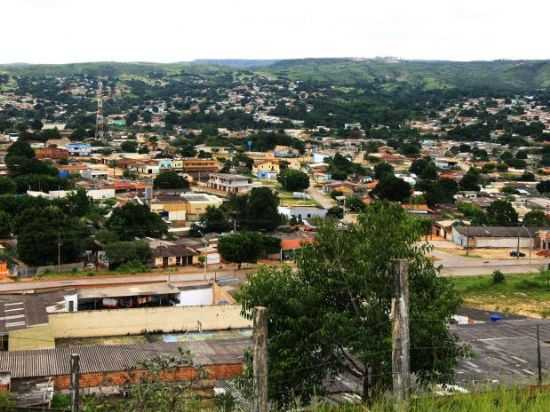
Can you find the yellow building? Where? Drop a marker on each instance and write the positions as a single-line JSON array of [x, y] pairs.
[[196, 204], [268, 165]]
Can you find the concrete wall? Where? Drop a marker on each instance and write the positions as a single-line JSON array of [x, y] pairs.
[[193, 297], [34, 337], [119, 322]]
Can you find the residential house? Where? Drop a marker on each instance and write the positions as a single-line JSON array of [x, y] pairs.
[[266, 169], [169, 254], [229, 183], [196, 204], [302, 212], [171, 207], [79, 149], [94, 174], [199, 168], [52, 152]]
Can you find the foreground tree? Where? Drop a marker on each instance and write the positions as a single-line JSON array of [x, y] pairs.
[[332, 313]]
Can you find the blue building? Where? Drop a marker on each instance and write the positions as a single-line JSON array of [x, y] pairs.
[[79, 149]]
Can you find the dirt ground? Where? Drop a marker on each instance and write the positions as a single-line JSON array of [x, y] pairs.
[[538, 310], [482, 253]]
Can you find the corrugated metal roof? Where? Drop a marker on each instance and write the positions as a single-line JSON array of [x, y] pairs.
[[98, 358], [21, 311], [499, 231]]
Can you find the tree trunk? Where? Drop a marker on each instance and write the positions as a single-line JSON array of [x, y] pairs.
[[366, 386]]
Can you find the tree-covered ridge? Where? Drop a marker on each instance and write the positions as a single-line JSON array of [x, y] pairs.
[[429, 75]]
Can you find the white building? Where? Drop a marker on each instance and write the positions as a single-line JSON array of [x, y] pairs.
[[229, 183], [302, 212]]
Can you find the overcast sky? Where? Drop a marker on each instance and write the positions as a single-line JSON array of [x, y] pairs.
[[61, 31]]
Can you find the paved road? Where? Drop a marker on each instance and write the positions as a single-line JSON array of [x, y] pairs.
[[223, 277], [325, 201], [454, 265]]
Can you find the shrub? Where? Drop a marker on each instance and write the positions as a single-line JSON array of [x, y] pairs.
[[498, 277]]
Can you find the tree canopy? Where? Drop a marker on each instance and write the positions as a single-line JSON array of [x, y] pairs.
[[536, 218], [502, 213], [293, 180], [392, 188], [335, 307], [133, 221], [170, 180]]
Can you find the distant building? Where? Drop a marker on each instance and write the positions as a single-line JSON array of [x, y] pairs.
[[500, 237], [302, 212], [94, 174], [79, 149], [229, 183], [52, 152], [266, 169], [199, 168], [173, 255], [196, 204]]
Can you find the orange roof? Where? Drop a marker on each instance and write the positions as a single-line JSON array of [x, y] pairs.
[[125, 185], [409, 206], [292, 244]]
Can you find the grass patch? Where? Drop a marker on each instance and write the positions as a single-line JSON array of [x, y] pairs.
[[287, 199], [524, 294], [502, 400]]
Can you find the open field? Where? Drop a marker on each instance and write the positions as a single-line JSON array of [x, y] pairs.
[[524, 294]]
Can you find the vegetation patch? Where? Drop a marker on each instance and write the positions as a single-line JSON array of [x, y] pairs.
[[524, 294]]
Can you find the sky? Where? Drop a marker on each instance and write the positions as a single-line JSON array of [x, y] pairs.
[[63, 31]]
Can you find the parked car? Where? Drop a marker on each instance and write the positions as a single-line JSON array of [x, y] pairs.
[[515, 253]]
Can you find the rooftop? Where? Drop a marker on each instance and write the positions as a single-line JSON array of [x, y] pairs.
[[98, 358], [128, 290], [22, 311], [499, 231], [504, 351]]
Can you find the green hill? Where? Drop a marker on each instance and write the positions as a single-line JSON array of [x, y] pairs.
[[505, 75]]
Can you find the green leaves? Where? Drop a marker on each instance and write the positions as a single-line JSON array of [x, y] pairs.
[[335, 306]]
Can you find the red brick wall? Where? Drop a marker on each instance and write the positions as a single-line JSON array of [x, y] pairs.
[[91, 380]]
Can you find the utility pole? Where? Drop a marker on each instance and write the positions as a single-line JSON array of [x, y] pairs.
[[259, 362], [517, 251], [539, 362], [467, 240], [59, 252], [400, 333], [75, 378]]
